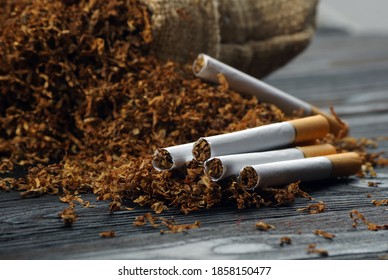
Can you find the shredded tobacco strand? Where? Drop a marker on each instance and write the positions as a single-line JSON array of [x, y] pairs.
[[108, 234], [312, 249], [356, 215], [380, 202], [68, 215], [314, 208], [324, 234], [169, 224], [260, 225], [285, 240]]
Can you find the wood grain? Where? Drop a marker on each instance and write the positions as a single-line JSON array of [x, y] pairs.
[[347, 72]]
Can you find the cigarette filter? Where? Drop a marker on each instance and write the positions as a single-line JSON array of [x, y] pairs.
[[308, 169], [222, 167], [172, 157], [208, 68], [262, 138]]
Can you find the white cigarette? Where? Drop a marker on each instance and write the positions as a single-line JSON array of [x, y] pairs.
[[262, 138], [219, 168], [172, 157], [308, 169], [208, 68]]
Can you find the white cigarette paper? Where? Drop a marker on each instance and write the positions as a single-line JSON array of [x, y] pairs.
[[207, 68], [266, 137], [308, 169], [179, 154], [232, 164]]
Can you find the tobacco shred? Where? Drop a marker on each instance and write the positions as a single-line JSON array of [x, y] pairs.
[[68, 215], [314, 208], [312, 249], [169, 224], [288, 194], [108, 234], [356, 215], [285, 240], [324, 234], [260, 225], [84, 104], [380, 202]]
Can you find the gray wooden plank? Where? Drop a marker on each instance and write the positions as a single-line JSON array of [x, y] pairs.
[[48, 239]]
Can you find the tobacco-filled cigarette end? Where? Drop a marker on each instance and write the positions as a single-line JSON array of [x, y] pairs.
[[249, 177], [199, 64], [345, 164], [317, 150], [214, 168], [314, 127], [162, 160], [337, 127], [201, 150]]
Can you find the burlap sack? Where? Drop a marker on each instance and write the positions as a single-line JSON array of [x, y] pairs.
[[255, 36]]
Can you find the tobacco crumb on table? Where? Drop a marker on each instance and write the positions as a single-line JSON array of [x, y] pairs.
[[355, 215], [261, 225], [314, 208], [285, 240], [108, 234], [324, 234], [312, 249]]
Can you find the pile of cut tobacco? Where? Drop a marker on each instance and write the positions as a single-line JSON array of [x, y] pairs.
[[84, 104]]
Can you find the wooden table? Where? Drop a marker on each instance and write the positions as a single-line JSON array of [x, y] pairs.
[[350, 73]]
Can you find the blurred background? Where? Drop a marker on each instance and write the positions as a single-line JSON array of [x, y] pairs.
[[357, 17]]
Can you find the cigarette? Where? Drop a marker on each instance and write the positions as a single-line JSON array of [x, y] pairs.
[[172, 157], [262, 138], [219, 168], [308, 169], [207, 68]]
